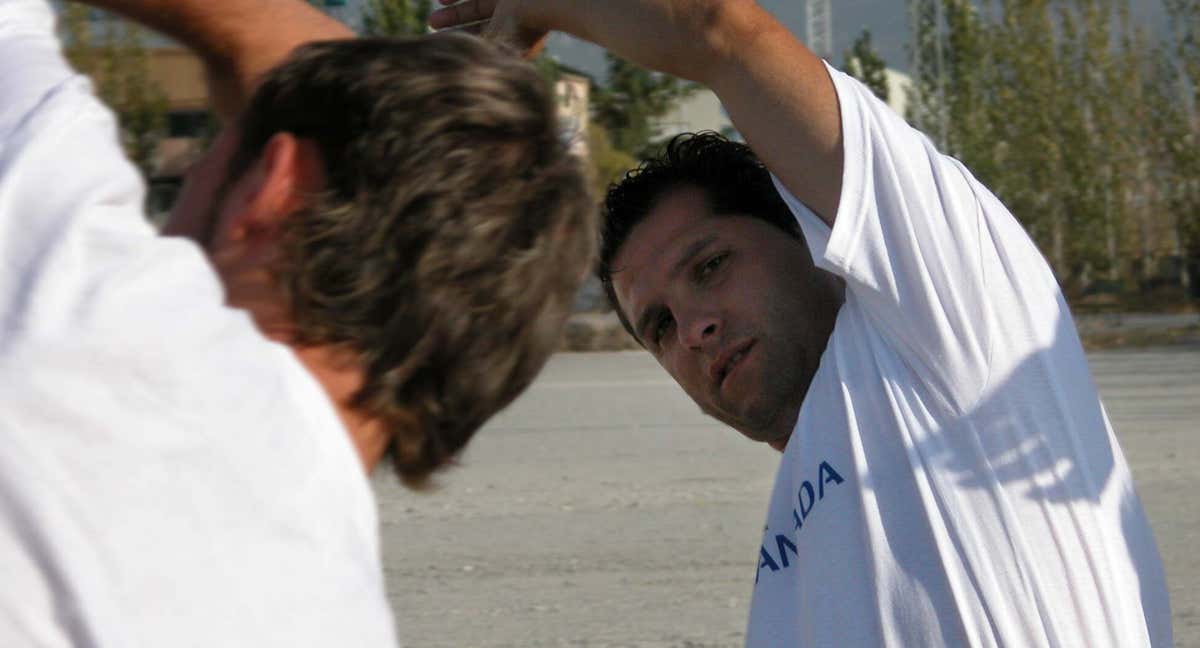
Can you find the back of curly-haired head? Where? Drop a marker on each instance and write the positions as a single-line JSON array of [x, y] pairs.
[[452, 234], [733, 179]]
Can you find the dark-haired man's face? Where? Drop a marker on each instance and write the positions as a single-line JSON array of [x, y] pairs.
[[732, 307]]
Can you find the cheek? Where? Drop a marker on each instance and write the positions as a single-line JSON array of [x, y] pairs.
[[194, 211]]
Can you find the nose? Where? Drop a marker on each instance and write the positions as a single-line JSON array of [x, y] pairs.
[[699, 330]]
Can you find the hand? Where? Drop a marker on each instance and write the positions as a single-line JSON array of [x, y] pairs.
[[492, 20], [234, 73], [778, 94], [679, 37]]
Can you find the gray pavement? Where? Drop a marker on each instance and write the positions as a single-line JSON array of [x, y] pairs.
[[602, 509]]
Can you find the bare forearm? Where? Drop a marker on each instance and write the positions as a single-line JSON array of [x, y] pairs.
[[669, 39], [781, 99], [778, 94]]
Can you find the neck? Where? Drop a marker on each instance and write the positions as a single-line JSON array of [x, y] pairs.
[[336, 370], [342, 378]]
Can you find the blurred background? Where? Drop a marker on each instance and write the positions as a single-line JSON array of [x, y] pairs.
[[1081, 115]]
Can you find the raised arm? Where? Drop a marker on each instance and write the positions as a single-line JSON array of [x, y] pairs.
[[237, 39], [778, 94]]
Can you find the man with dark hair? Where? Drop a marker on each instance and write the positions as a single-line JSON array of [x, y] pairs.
[[376, 254], [734, 182], [949, 477]]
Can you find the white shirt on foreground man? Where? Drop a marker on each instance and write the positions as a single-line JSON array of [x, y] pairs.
[[949, 477], [125, 388], [377, 253]]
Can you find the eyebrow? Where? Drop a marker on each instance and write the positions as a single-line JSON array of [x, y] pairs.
[[689, 254], [692, 252]]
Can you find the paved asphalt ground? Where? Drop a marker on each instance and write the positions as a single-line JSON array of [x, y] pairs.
[[604, 510]]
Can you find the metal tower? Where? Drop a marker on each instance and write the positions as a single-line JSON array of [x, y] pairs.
[[820, 28]]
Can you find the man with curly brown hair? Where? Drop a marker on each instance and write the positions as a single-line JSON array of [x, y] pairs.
[[376, 255]]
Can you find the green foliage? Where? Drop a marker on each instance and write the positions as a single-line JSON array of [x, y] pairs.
[[608, 164], [112, 52], [548, 68], [1178, 118], [631, 103], [1075, 120], [395, 17], [864, 63]]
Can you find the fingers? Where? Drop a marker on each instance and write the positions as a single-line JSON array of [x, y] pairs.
[[462, 13], [477, 28], [480, 17]]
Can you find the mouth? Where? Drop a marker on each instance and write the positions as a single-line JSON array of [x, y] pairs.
[[729, 361]]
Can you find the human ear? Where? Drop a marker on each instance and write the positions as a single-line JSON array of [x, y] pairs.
[[283, 181]]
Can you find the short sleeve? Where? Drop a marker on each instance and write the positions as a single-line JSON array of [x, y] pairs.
[[912, 242], [31, 62], [71, 204]]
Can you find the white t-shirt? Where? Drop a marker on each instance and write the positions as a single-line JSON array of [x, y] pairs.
[[168, 477], [952, 479]]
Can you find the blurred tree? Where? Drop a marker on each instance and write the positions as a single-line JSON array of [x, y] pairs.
[[864, 63], [1177, 120], [926, 101], [608, 164], [112, 52], [549, 68], [631, 103], [967, 67], [395, 17], [1083, 131]]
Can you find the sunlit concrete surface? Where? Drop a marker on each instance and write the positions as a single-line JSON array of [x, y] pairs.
[[602, 510]]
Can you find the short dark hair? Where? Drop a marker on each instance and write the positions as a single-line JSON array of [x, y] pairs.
[[453, 231], [733, 180]]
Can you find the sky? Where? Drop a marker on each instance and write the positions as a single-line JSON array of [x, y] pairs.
[[887, 20]]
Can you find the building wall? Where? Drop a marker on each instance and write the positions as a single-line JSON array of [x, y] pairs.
[[898, 85], [572, 92], [180, 74], [702, 111]]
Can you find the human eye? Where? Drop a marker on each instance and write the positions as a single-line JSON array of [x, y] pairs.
[[710, 265]]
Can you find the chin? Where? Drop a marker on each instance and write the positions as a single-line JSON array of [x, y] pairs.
[[774, 426], [753, 428]]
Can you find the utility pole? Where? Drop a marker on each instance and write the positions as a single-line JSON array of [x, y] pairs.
[[820, 28]]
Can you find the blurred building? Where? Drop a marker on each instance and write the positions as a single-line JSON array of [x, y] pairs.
[[898, 84], [702, 111], [189, 124], [572, 93]]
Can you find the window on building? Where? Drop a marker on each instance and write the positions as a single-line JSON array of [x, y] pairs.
[[189, 123]]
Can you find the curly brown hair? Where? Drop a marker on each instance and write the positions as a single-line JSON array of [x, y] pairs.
[[733, 179], [452, 235]]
